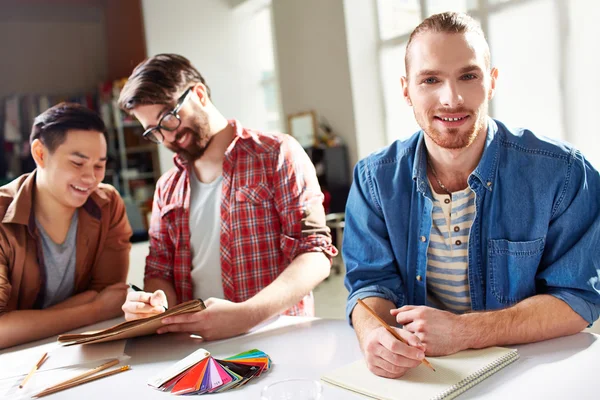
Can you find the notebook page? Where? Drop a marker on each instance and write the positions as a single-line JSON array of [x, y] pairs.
[[420, 382]]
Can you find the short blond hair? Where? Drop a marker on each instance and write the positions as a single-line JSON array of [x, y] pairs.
[[448, 22]]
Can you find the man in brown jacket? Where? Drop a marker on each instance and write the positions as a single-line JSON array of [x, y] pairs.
[[64, 236]]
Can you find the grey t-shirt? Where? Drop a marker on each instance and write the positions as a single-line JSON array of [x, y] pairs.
[[59, 263]]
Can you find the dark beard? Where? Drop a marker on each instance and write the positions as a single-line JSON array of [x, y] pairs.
[[199, 143]]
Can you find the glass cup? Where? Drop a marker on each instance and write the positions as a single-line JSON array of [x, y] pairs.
[[293, 389]]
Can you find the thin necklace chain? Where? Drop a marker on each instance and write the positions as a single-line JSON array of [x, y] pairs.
[[444, 188]]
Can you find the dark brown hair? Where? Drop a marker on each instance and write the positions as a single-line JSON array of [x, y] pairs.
[[158, 80], [448, 22], [51, 126]]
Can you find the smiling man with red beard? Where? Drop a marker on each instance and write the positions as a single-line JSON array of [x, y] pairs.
[[64, 237], [467, 234], [239, 220]]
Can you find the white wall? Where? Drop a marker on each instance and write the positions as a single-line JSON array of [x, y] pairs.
[[313, 64], [51, 49], [583, 79], [536, 80], [527, 57], [223, 44]]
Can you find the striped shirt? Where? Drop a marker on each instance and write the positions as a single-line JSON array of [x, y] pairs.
[[447, 254]]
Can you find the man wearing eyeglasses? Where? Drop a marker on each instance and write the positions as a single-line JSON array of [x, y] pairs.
[[239, 220]]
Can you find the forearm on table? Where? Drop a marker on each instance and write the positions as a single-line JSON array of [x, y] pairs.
[[534, 319], [22, 326], [364, 323], [77, 300], [153, 284], [303, 274]]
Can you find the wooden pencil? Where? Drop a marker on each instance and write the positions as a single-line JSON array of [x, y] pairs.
[[389, 329], [35, 368], [61, 387], [92, 371]]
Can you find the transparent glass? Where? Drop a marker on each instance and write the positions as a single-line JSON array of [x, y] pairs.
[[293, 389], [170, 122]]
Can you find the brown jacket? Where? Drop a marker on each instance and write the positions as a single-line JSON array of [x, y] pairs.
[[102, 252]]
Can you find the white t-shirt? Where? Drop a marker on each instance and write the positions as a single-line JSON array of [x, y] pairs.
[[205, 232]]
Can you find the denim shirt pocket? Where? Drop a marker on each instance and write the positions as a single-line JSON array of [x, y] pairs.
[[257, 195], [513, 268]]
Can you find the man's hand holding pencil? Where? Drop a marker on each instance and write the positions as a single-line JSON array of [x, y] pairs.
[[391, 352], [140, 304]]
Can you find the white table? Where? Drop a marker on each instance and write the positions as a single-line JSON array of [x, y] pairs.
[[562, 368]]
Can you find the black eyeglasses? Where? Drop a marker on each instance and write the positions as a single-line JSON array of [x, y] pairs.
[[169, 121]]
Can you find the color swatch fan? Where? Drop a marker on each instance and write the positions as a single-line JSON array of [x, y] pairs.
[[200, 373]]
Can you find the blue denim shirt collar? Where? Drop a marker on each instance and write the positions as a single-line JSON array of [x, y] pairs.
[[485, 170]]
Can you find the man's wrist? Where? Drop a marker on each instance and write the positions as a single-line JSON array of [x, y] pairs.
[[253, 311], [477, 333], [363, 324]]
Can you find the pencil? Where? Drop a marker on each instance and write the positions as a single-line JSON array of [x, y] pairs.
[[92, 371], [135, 288], [35, 368], [389, 329], [61, 387]]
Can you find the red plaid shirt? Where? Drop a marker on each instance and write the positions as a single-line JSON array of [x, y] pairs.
[[271, 212]]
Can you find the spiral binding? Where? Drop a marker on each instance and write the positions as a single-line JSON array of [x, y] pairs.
[[478, 376]]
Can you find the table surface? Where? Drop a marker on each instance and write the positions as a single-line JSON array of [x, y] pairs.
[[308, 348]]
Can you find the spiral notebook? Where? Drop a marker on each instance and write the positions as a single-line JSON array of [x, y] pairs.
[[454, 375]]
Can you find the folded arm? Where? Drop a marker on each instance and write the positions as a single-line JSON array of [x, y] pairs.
[[296, 281], [22, 326], [534, 319], [537, 318]]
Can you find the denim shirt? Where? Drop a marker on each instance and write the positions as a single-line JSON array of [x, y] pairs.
[[536, 228]]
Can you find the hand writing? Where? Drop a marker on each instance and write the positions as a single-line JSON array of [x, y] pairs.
[[142, 304], [441, 331], [387, 356]]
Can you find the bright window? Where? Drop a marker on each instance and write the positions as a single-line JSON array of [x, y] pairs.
[[268, 86], [525, 46]]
